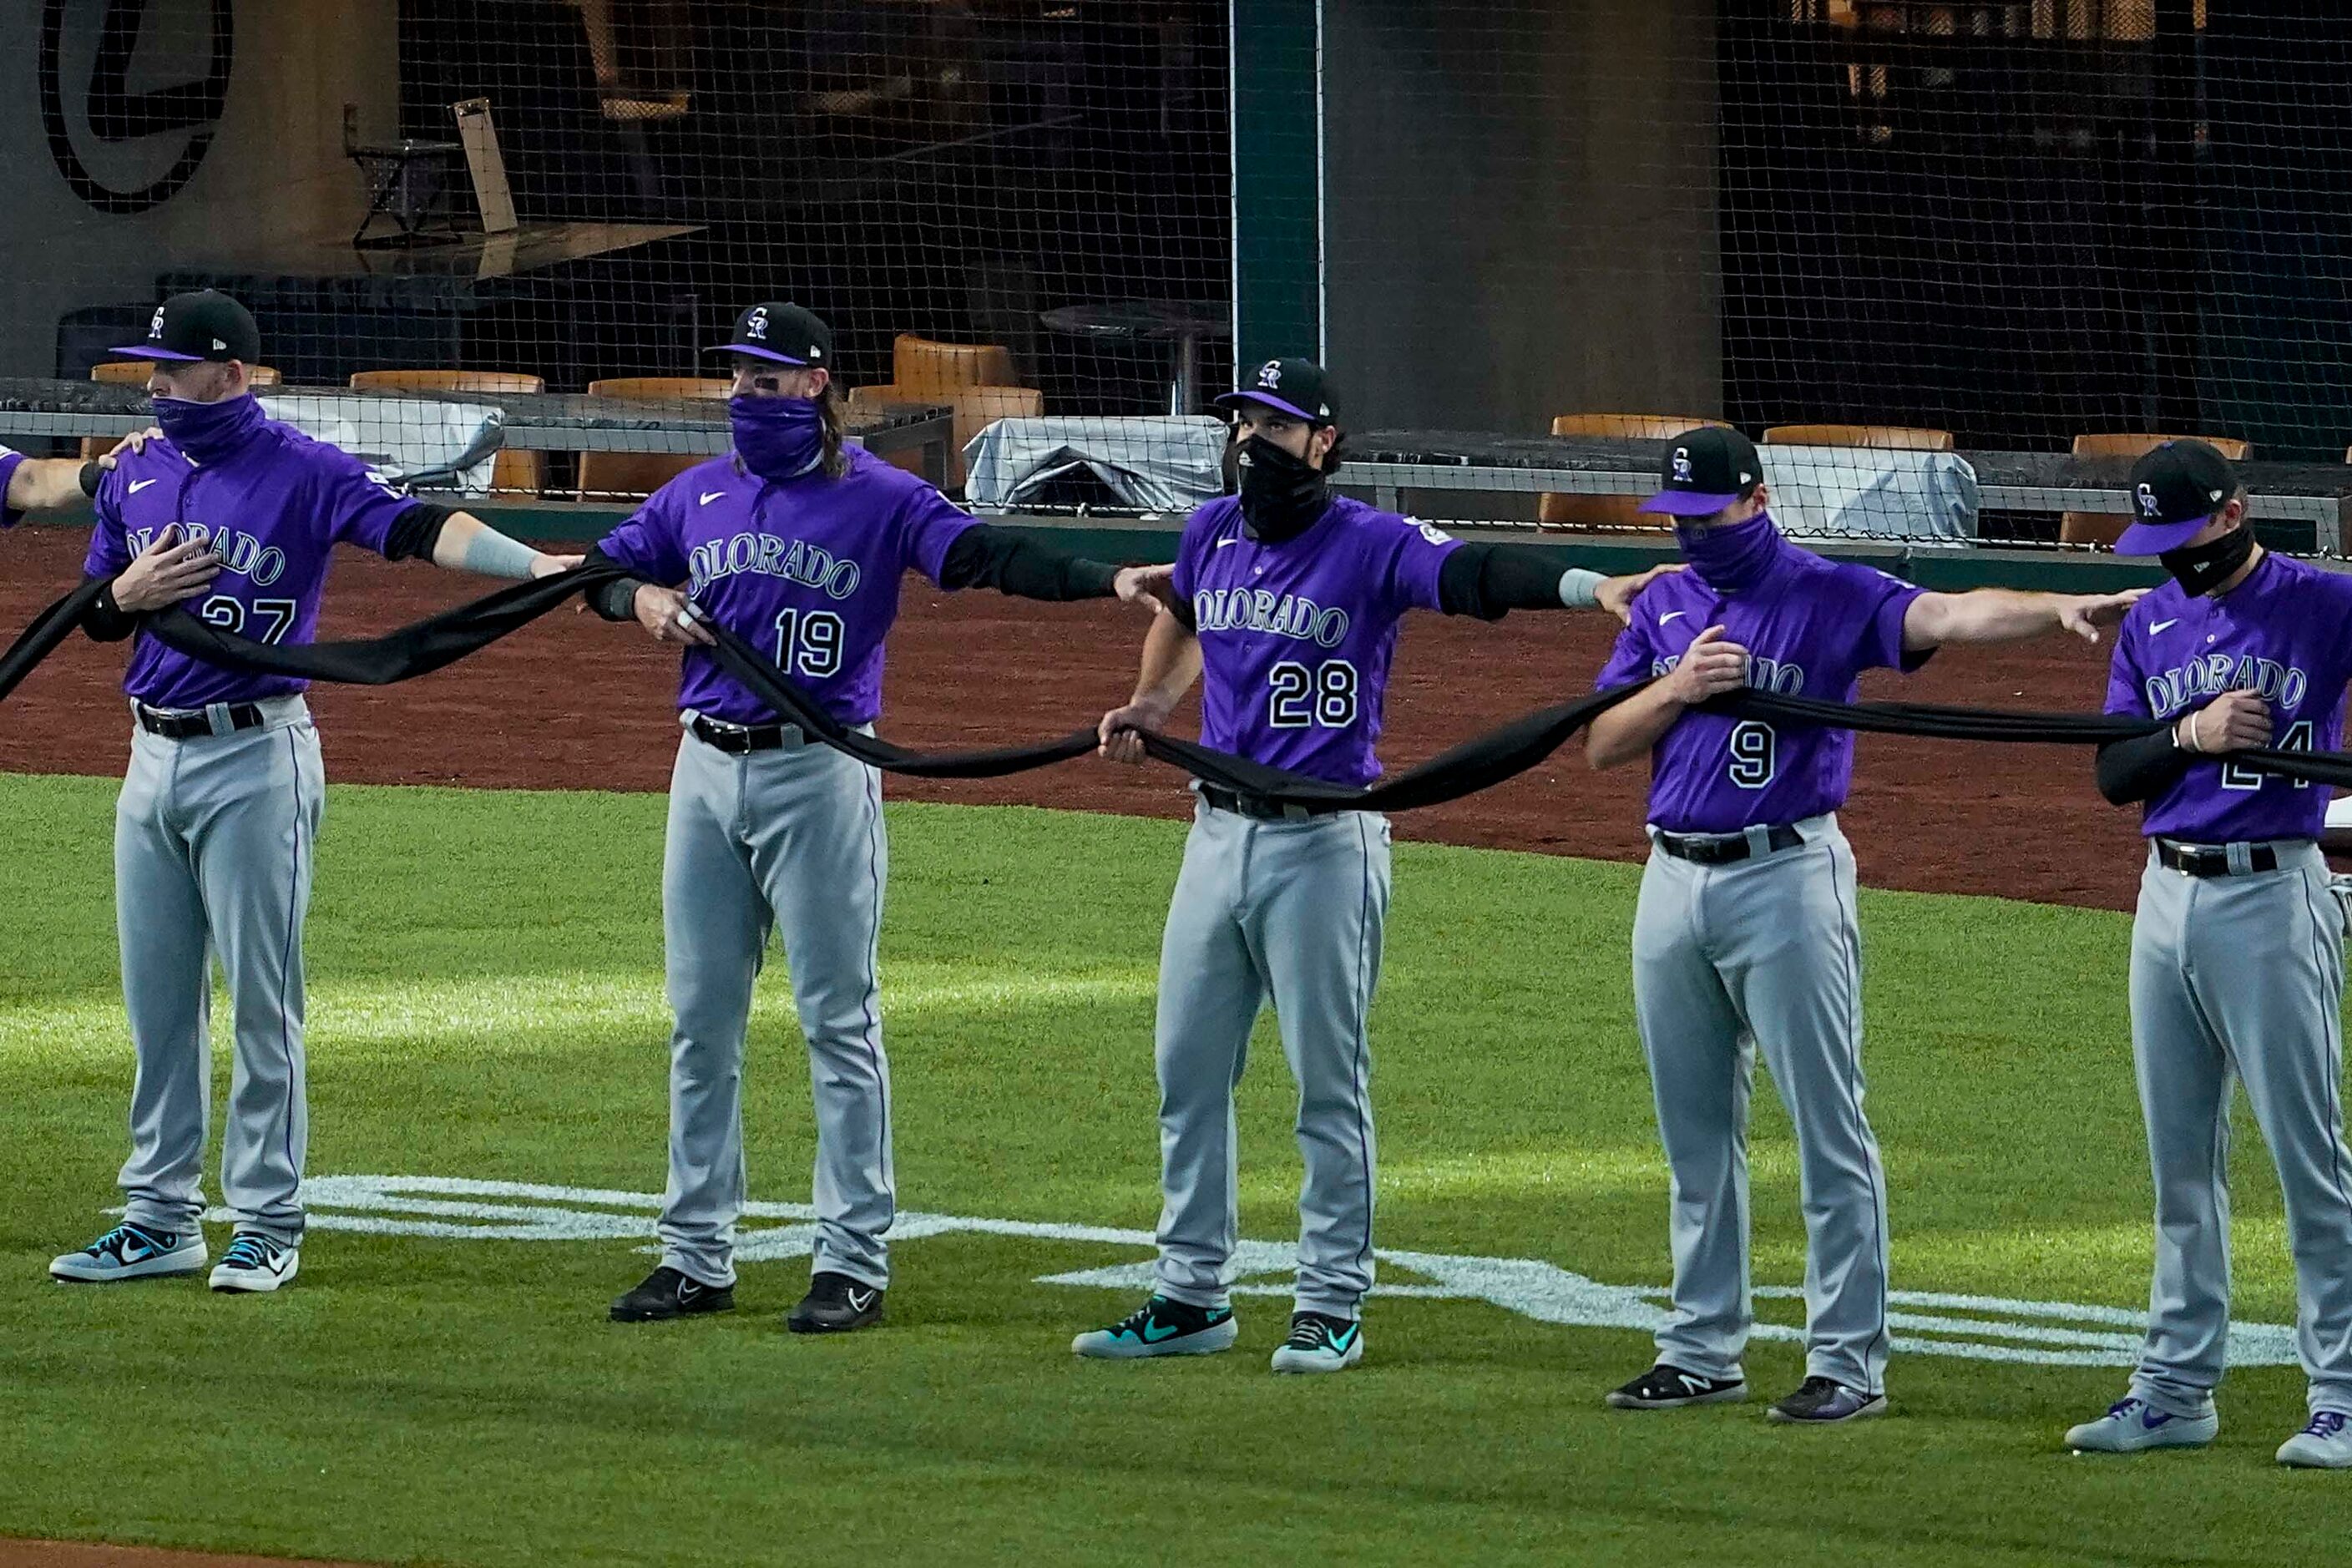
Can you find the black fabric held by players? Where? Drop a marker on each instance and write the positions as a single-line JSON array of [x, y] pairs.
[[1475, 765]]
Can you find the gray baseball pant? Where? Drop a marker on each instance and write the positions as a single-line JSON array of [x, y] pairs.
[[1763, 955], [791, 839], [213, 843], [2240, 978], [1294, 910]]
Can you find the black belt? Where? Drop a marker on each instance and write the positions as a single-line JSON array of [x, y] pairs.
[[1724, 849], [740, 740], [1252, 805], [188, 726], [2210, 859]]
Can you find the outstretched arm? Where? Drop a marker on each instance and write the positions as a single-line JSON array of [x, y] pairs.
[[1489, 581], [47, 484], [466, 544], [1172, 662], [2003, 615]]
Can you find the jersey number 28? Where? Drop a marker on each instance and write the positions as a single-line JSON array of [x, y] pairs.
[[1323, 696]]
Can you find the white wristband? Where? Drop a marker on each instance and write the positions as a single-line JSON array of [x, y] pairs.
[[1580, 589]]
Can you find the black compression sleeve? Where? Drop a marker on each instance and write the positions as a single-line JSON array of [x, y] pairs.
[[986, 557], [108, 622], [616, 600], [2142, 768], [1489, 581], [415, 531]]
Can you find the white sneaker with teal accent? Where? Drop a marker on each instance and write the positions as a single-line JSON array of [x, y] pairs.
[[255, 1263], [1317, 1343], [1161, 1327], [2133, 1426], [131, 1252], [2324, 1445]]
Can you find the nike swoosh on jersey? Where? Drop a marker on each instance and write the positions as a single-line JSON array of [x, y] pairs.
[[1222, 543], [137, 485], [1671, 615], [709, 496], [2163, 625]]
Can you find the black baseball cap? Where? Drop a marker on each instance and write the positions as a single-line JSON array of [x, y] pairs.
[[1705, 471], [779, 330], [2175, 491], [204, 326], [1297, 387]]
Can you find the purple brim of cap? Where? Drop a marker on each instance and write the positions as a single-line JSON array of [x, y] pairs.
[[755, 353], [1250, 394], [144, 351], [1687, 503], [2155, 537]]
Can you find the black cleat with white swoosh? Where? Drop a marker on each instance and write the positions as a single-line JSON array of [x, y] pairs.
[[666, 1293], [835, 1304], [1664, 1387]]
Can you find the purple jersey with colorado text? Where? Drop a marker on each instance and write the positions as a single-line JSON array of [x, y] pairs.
[[274, 510], [1811, 627], [1296, 637], [2285, 632], [10, 461], [805, 569]]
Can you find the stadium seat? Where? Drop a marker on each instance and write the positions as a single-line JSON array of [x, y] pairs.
[[609, 474], [2107, 527], [919, 364], [1884, 437], [134, 372], [976, 408], [514, 472], [1554, 510]]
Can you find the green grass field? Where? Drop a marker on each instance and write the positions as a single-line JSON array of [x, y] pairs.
[[486, 1003]]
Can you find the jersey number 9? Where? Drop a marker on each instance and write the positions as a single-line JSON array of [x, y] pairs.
[[1754, 754]]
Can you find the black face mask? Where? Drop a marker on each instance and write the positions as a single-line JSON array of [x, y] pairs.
[[2201, 568], [1281, 496]]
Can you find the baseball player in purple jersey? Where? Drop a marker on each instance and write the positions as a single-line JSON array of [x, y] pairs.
[[2237, 964], [1744, 938], [798, 542], [1286, 604], [220, 809]]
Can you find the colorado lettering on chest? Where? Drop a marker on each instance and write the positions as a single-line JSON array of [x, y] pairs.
[[242, 554], [1783, 677], [1263, 610], [772, 555], [2173, 691]]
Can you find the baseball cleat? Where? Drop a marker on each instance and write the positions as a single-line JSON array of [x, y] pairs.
[[1824, 1400], [2132, 1425], [1664, 1387], [1161, 1327], [668, 1293], [131, 1252], [1318, 1344], [835, 1304], [255, 1263], [2324, 1445]]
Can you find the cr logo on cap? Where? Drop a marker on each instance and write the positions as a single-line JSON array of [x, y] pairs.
[[1270, 374], [755, 325], [2147, 502], [1682, 466], [155, 326]]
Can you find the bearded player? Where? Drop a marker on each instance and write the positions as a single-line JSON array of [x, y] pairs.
[[219, 813], [798, 541], [2237, 965], [1745, 939], [1286, 604]]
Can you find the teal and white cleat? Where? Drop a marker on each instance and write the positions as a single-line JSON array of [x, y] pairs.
[[1317, 1343], [2324, 1445], [1161, 1327], [255, 1264], [2133, 1426], [131, 1252]]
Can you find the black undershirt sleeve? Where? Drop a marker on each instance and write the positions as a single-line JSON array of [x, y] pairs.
[[1489, 581], [616, 600], [986, 557], [1188, 620], [415, 531], [106, 621], [2142, 768]]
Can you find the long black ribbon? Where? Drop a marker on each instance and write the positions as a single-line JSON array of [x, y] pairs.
[[1477, 764]]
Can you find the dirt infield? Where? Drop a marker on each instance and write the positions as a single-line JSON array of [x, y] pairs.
[[575, 703]]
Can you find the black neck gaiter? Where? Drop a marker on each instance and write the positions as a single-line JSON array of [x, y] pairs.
[[1281, 496]]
